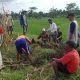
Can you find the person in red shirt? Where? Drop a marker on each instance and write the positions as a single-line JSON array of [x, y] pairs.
[[69, 63], [1, 34], [1, 30]]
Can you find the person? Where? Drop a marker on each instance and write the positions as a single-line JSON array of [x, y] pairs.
[[73, 29], [22, 46], [9, 24], [44, 36], [69, 63], [1, 34], [23, 21], [55, 37], [53, 27], [59, 36]]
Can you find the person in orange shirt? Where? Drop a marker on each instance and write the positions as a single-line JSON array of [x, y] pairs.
[[69, 63], [22, 45]]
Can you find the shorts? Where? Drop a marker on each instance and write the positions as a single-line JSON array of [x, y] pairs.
[[9, 28], [62, 68], [21, 44]]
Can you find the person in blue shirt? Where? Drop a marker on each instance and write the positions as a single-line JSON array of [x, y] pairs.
[[73, 29], [23, 21]]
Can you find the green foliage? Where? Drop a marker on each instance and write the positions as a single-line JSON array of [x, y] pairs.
[[40, 55]]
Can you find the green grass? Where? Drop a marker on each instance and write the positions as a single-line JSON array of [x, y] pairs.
[[34, 29], [36, 25]]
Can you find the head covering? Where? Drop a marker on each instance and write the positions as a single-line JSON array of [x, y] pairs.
[[23, 12], [49, 19], [43, 29]]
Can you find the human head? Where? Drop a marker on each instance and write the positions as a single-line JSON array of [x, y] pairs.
[[23, 12], [50, 21], [70, 45], [7, 15], [71, 16]]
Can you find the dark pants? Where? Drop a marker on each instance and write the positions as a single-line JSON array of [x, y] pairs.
[[9, 29], [63, 68]]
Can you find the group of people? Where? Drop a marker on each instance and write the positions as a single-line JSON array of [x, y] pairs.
[[69, 63]]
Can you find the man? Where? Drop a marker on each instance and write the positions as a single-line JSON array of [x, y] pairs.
[[53, 27], [9, 24], [23, 21], [1, 34], [73, 30], [22, 46], [69, 63], [44, 36]]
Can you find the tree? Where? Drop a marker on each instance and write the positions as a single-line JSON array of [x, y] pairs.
[[72, 7], [32, 11], [53, 12], [33, 8]]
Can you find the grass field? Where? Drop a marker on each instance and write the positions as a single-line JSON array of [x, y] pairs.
[[25, 72], [36, 25]]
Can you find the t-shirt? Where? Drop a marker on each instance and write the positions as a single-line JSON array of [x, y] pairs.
[[24, 37], [25, 20], [53, 27], [1, 29], [9, 21], [71, 60], [44, 36], [73, 31]]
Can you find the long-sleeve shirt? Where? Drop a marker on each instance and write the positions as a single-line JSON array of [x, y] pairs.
[[73, 31], [53, 27], [23, 20]]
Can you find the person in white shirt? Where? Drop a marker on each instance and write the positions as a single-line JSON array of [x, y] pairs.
[[53, 28]]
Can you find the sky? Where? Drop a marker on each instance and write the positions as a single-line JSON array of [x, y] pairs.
[[42, 5]]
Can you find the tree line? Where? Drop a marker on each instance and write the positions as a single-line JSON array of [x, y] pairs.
[[53, 12]]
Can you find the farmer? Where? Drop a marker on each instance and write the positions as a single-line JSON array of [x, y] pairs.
[[1, 34], [59, 36], [23, 21], [9, 24], [73, 29], [69, 63], [44, 36], [22, 44], [53, 28]]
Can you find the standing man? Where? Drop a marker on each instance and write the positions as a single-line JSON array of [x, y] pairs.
[[53, 27], [73, 30], [23, 21], [9, 24]]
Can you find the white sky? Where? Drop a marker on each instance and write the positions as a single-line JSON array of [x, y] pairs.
[[42, 5]]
